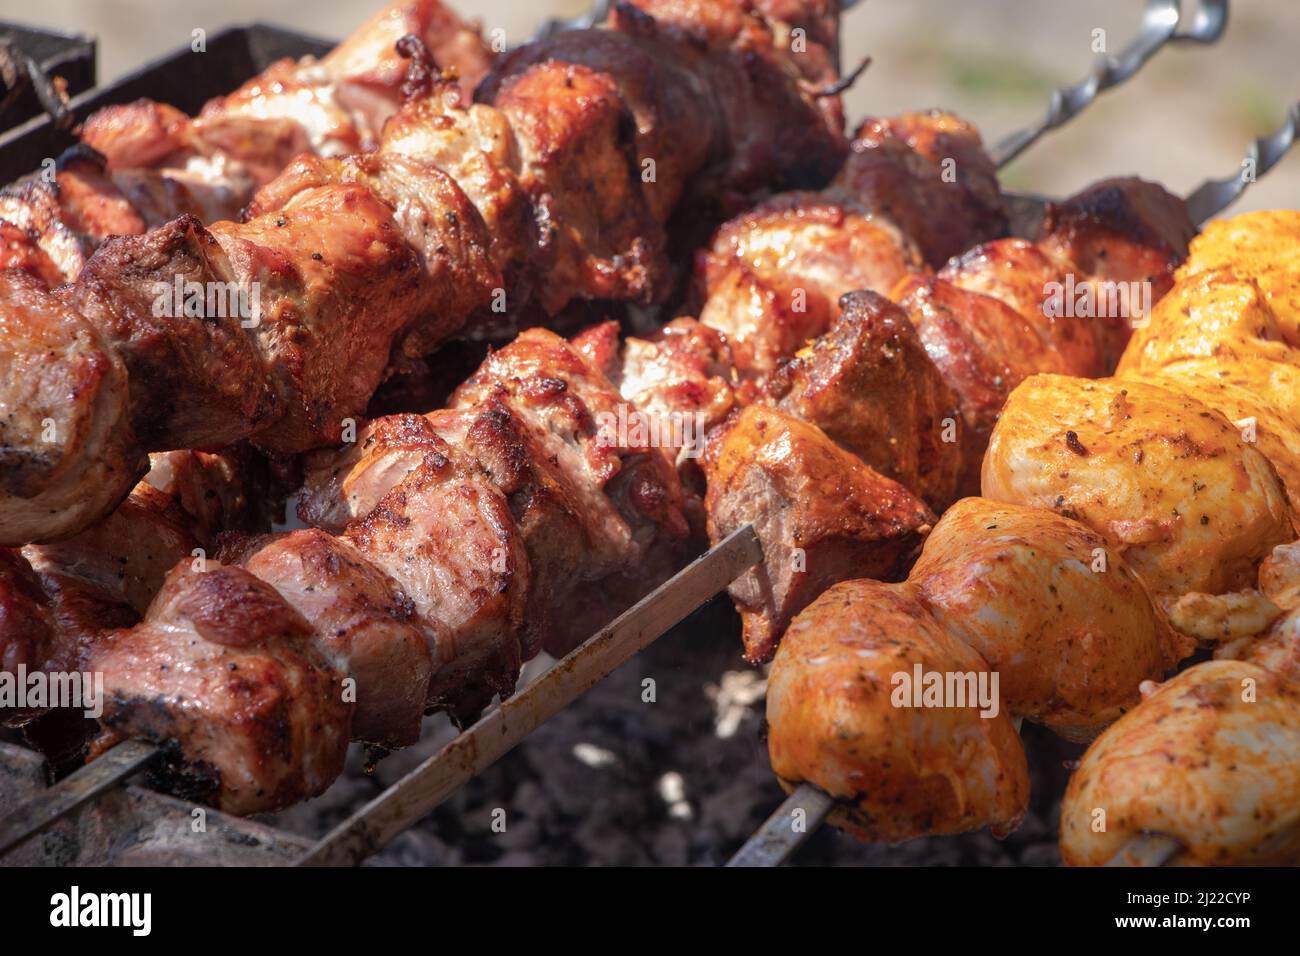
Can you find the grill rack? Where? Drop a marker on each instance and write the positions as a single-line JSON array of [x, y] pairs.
[[424, 788]]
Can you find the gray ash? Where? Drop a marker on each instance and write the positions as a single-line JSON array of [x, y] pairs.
[[613, 780]]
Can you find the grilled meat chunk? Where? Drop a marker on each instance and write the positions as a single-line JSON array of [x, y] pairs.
[[821, 516], [869, 384], [928, 174], [224, 676], [141, 164], [1211, 758], [898, 772], [343, 257], [1165, 479], [1066, 624]]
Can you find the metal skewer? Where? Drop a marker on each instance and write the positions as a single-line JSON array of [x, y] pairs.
[[424, 788], [1150, 849], [88, 782], [1215, 195], [1160, 24], [786, 829]]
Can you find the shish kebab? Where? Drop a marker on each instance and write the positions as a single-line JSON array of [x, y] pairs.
[[426, 786], [142, 164], [867, 195], [557, 127], [457, 208], [1218, 355], [237, 268], [386, 453], [1160, 27]]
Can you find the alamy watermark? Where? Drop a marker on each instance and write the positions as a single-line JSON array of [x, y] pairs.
[[921, 688], [631, 428], [209, 300], [50, 690], [1098, 299]]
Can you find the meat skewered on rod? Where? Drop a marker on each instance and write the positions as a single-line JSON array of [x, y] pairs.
[[141, 164], [1162, 22], [1185, 359], [453, 30], [350, 494], [423, 236]]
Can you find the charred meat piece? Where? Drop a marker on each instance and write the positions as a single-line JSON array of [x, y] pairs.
[[869, 384], [821, 515], [223, 675]]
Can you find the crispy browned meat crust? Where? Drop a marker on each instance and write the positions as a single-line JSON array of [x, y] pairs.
[[141, 164], [536, 194]]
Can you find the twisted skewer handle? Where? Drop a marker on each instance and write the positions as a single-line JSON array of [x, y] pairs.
[[1215, 195], [1159, 26]]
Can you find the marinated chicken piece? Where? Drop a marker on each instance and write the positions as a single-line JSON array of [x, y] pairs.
[[773, 276], [343, 257], [1277, 649], [1279, 576], [821, 516], [928, 174], [1167, 481], [1212, 759], [1261, 246], [869, 384], [1065, 623], [982, 347], [223, 676], [1218, 337], [841, 714]]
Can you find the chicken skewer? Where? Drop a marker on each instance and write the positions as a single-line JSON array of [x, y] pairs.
[[1161, 573], [142, 164]]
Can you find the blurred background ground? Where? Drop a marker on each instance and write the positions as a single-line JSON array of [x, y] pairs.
[[1188, 115]]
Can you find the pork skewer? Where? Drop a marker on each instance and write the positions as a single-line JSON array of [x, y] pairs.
[[141, 164], [427, 786], [424, 235]]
